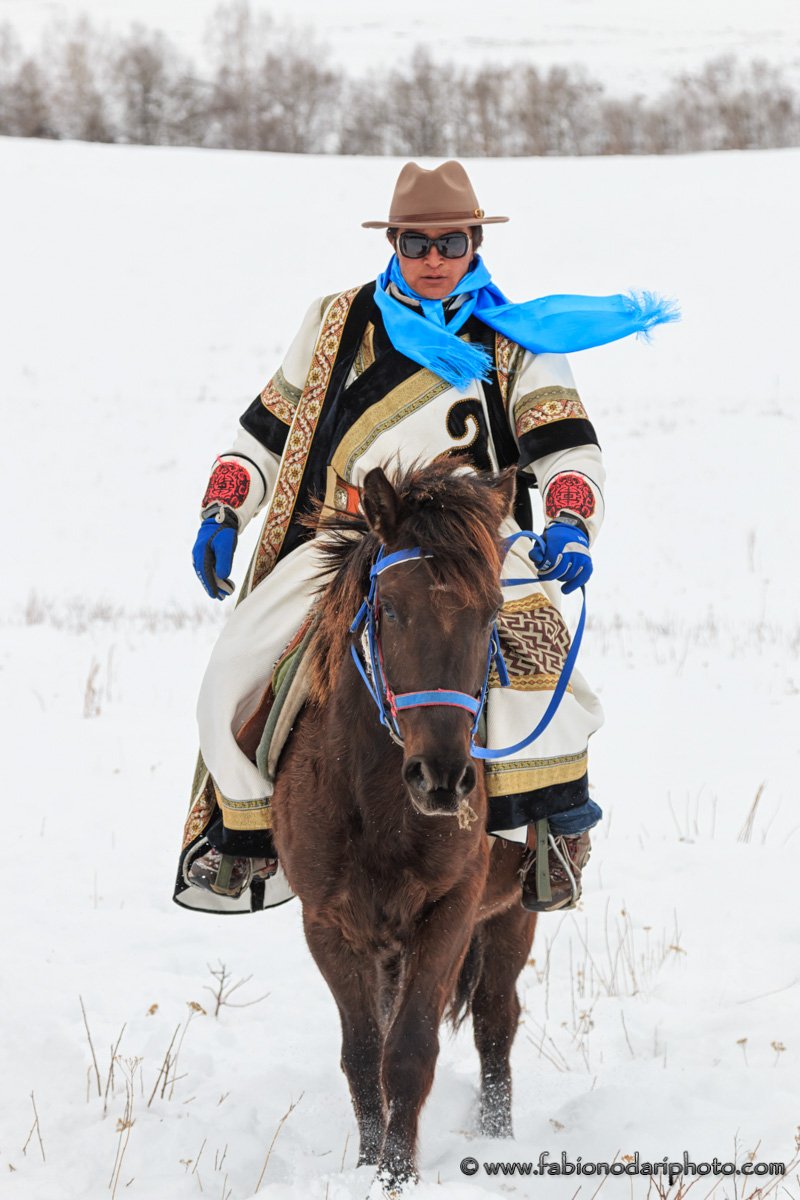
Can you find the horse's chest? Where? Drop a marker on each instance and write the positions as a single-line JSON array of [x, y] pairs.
[[381, 914]]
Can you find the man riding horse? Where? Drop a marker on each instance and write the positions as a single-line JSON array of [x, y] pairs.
[[430, 360]]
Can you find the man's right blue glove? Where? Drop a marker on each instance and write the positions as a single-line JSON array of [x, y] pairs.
[[213, 550]]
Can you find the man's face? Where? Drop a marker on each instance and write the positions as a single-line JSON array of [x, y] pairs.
[[433, 276]]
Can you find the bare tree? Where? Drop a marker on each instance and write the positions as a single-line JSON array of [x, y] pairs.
[[158, 99], [622, 122], [142, 86], [424, 106], [78, 60], [238, 41], [297, 100], [485, 124], [29, 108], [364, 118], [10, 60], [558, 113]]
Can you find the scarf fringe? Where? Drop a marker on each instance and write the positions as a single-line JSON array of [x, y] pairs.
[[648, 309], [459, 367]]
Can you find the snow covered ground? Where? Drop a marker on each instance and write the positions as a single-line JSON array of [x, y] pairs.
[[629, 45], [147, 295]]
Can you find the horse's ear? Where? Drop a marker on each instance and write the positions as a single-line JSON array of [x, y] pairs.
[[381, 504], [504, 486]]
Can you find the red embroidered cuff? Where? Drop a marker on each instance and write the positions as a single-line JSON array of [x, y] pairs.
[[229, 484], [570, 491]]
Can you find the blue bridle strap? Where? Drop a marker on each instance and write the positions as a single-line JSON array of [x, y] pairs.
[[389, 704], [508, 542], [437, 696]]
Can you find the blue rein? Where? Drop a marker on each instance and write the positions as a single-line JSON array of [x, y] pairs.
[[389, 703]]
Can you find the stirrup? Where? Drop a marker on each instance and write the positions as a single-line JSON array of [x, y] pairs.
[[537, 893], [557, 847], [227, 874]]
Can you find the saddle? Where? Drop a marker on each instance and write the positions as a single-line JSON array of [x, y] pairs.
[[265, 733]]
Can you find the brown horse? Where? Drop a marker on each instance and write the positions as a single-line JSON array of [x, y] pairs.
[[407, 909]]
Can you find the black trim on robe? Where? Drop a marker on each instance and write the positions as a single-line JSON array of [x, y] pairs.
[[509, 812], [251, 843], [558, 435], [265, 427], [504, 445]]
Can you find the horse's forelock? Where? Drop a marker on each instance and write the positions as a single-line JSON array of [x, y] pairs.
[[456, 522]]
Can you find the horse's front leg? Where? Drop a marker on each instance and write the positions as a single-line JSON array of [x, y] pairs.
[[352, 982], [495, 1013], [412, 1043]]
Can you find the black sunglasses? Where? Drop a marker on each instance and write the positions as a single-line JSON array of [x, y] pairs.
[[417, 245]]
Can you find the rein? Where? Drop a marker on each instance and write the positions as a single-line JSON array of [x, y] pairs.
[[390, 703]]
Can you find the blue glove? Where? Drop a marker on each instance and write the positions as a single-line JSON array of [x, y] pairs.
[[213, 550], [563, 555]]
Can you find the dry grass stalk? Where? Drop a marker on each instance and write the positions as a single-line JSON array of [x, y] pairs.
[[197, 1164], [194, 1008], [279, 1127], [125, 1123], [627, 968], [92, 706], [604, 1180], [552, 1055], [35, 1128], [746, 832], [110, 1075], [163, 1071], [91, 1047]]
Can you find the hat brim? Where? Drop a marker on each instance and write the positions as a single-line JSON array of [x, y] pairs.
[[426, 223]]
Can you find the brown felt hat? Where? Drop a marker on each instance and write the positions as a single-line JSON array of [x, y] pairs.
[[436, 199]]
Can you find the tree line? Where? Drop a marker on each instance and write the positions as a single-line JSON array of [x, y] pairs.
[[263, 86]]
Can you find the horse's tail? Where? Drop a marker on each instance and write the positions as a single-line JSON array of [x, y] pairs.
[[468, 979]]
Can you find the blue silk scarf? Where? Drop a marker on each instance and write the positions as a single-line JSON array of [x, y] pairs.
[[549, 325]]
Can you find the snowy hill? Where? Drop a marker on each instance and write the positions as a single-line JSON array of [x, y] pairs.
[[148, 294], [628, 45]]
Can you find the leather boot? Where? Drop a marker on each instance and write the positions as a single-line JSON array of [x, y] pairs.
[[553, 884]]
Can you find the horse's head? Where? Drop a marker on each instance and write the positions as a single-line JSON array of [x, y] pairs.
[[434, 615]]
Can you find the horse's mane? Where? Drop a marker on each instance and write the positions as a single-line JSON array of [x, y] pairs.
[[453, 515]]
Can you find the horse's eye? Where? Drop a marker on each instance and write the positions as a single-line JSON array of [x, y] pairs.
[[388, 612]]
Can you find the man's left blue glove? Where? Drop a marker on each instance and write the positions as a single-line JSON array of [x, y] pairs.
[[213, 550], [564, 555]]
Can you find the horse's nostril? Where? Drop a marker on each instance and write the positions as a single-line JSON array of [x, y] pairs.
[[467, 781], [416, 776], [425, 777]]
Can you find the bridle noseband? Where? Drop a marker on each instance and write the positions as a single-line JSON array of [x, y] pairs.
[[390, 703]]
